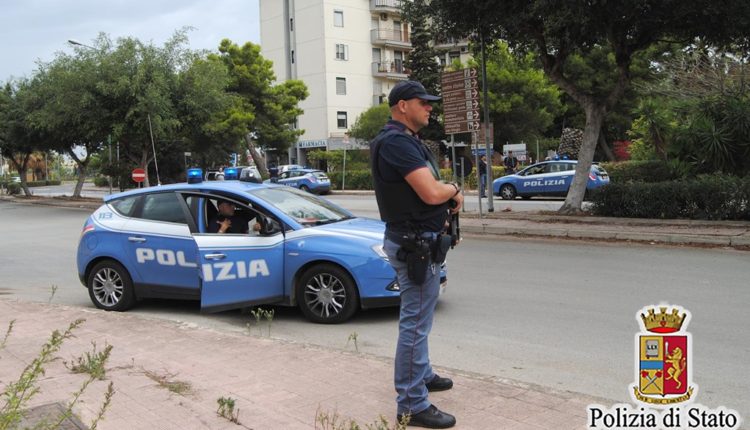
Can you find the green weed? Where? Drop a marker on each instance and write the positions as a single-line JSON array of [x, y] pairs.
[[91, 362], [166, 381], [259, 314], [333, 421], [226, 409], [18, 393], [7, 333], [52, 295], [353, 339]]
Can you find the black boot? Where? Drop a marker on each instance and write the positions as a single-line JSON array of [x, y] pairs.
[[439, 384], [431, 418]]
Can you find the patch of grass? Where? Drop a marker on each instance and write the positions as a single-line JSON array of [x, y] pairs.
[[333, 421], [91, 362], [7, 333], [166, 380], [227, 410]]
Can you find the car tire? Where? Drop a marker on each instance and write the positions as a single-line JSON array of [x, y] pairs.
[[508, 192], [304, 188], [110, 286], [326, 294]]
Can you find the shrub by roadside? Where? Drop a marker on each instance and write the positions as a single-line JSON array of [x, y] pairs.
[[707, 198], [639, 171]]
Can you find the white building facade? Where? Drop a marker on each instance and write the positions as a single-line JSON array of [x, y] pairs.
[[349, 53]]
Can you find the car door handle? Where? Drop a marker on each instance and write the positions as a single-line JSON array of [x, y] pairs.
[[136, 239], [215, 256]]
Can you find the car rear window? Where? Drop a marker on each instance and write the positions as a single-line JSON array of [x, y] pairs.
[[163, 207], [124, 206]]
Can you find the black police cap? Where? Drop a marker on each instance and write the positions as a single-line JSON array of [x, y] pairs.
[[407, 90]]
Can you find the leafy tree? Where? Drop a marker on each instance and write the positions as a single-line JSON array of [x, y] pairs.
[[263, 112], [523, 103], [71, 111], [423, 65], [698, 113], [18, 138], [556, 31], [369, 122]]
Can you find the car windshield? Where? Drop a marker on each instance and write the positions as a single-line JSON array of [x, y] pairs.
[[309, 210]]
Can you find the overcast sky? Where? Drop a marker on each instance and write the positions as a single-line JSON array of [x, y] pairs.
[[32, 30]]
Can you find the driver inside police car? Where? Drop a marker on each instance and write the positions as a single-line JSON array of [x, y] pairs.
[[227, 220]]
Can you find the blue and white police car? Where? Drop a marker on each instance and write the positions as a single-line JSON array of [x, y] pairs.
[[548, 178], [310, 180], [299, 250]]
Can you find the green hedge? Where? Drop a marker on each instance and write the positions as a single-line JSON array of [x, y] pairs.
[[639, 171], [707, 198], [101, 181], [362, 179]]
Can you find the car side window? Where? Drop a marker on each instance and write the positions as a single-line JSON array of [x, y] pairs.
[[125, 206], [163, 207], [535, 170]]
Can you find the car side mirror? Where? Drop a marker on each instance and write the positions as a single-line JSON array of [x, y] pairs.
[[270, 226]]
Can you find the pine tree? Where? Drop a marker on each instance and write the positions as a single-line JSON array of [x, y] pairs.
[[423, 65]]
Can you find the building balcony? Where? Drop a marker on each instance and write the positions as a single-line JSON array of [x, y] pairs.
[[390, 70], [390, 37], [393, 6], [451, 43]]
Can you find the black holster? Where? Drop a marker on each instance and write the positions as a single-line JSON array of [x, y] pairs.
[[416, 252]]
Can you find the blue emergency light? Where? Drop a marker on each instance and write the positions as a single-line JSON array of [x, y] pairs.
[[231, 173], [194, 175]]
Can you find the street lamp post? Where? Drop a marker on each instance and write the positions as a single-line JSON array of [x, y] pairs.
[[75, 42]]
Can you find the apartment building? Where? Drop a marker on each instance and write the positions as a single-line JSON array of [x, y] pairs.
[[349, 53]]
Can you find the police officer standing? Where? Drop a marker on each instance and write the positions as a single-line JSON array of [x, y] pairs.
[[416, 207]]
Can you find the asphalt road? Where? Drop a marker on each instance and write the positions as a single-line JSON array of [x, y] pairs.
[[561, 315]]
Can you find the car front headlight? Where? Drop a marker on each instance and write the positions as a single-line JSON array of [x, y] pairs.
[[378, 249]]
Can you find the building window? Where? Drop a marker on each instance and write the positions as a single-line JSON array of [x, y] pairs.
[[292, 56], [454, 55], [291, 24], [342, 51], [338, 18], [341, 86], [341, 119]]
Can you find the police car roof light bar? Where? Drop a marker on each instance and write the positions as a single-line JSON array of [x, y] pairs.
[[231, 173], [194, 175]]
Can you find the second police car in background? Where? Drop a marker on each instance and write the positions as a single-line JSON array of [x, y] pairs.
[[311, 180], [306, 251], [548, 178]]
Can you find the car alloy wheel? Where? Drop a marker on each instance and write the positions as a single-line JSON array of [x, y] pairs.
[[110, 287], [326, 294], [507, 192], [304, 188]]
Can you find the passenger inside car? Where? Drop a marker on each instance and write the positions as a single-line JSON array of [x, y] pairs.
[[225, 218]]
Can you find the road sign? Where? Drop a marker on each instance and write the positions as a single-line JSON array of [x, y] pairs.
[[461, 106], [461, 127], [459, 75], [138, 175], [460, 92]]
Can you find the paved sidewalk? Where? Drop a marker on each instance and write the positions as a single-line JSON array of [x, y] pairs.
[[276, 384]]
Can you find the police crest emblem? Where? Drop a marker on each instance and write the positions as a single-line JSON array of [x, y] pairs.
[[663, 357]]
